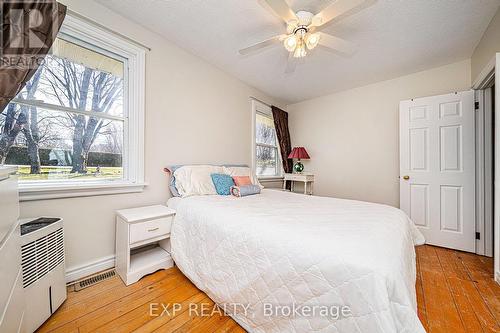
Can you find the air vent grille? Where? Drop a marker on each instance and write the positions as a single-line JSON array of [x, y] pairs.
[[94, 279], [42, 256]]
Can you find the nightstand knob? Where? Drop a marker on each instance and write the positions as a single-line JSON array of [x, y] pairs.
[[406, 177]]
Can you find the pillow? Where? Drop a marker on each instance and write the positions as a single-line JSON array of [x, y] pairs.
[[172, 183], [242, 171], [243, 191], [222, 183], [195, 179], [242, 180]]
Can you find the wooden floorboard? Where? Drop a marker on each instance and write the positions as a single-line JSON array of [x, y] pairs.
[[455, 293]]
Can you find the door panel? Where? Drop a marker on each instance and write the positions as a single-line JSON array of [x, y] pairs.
[[437, 156], [451, 208], [452, 109], [419, 150], [451, 148], [418, 113], [419, 204]]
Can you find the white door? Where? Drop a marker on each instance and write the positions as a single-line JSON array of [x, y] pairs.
[[437, 168]]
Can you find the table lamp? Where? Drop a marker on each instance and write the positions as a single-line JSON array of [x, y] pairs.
[[299, 153]]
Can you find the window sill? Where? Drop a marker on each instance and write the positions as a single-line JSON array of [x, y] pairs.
[[32, 192]]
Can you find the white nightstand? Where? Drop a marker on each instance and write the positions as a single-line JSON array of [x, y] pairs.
[[143, 241], [306, 178]]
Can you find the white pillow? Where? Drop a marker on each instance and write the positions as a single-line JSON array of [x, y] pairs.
[[242, 171], [195, 179]]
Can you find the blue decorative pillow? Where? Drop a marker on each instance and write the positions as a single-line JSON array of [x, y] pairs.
[[222, 183]]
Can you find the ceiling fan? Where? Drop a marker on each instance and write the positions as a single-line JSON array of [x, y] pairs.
[[303, 30]]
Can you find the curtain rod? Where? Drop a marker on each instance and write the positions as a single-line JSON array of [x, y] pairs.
[[258, 100], [72, 12]]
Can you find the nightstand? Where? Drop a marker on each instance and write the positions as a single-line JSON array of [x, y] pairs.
[[143, 241], [306, 178]]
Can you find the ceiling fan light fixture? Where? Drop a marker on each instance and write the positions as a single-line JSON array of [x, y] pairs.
[[302, 29], [291, 43], [312, 40], [300, 51]]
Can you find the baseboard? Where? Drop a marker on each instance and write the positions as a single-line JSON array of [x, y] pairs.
[[76, 273], [497, 277]]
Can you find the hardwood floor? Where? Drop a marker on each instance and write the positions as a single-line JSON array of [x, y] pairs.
[[455, 293]]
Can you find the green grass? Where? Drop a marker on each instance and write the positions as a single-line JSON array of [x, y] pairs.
[[62, 172]]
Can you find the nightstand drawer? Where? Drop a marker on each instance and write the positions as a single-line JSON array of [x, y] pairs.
[[150, 229]]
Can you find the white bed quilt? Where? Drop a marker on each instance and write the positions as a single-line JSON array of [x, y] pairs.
[[290, 250]]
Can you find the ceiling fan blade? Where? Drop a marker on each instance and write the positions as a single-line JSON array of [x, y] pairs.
[[261, 45], [337, 44], [291, 64], [280, 8], [337, 8]]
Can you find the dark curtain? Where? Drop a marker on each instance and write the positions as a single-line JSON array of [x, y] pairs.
[[28, 30], [281, 124]]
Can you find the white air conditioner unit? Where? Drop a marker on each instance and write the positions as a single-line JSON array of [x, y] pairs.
[[42, 260]]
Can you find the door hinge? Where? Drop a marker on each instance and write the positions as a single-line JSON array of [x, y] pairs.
[[476, 105], [478, 235]]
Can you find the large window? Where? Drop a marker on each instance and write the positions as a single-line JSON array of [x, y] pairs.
[[267, 158], [72, 116], [79, 120]]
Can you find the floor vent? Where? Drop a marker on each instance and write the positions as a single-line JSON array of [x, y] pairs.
[[94, 279]]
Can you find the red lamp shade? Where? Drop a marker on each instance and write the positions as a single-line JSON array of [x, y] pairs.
[[299, 153]]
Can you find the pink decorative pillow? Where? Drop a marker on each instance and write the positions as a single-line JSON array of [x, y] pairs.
[[242, 180]]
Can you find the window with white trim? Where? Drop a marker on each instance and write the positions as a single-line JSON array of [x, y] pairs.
[[81, 115], [267, 160]]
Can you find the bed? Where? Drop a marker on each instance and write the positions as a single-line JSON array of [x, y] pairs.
[[279, 250]]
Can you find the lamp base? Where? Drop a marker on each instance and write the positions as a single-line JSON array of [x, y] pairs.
[[298, 167]]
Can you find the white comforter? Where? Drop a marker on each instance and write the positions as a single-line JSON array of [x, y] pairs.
[[293, 250]]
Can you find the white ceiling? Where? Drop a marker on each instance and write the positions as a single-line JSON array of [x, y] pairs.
[[393, 38]]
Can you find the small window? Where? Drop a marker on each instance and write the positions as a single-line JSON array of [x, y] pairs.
[[266, 154]]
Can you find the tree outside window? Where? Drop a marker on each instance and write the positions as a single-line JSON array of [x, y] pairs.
[[267, 163], [68, 122]]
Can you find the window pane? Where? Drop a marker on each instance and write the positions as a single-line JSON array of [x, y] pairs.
[[267, 164], [56, 145], [264, 130], [77, 77]]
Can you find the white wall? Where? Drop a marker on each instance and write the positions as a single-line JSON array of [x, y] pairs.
[[353, 136], [195, 113]]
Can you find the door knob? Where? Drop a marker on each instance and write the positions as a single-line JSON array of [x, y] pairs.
[[406, 177]]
